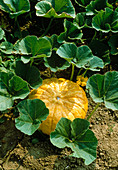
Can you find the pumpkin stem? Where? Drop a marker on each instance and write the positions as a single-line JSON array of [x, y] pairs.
[[72, 72], [93, 111]]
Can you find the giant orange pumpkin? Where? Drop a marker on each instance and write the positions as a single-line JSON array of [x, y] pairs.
[[63, 98]]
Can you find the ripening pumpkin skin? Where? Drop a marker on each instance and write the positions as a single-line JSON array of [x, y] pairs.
[[63, 98]]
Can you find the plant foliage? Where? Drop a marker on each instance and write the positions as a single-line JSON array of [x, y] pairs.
[[15, 8], [104, 88], [55, 8], [32, 112], [77, 136]]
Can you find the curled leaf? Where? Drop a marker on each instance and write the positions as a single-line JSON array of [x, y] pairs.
[[55, 8], [106, 21]]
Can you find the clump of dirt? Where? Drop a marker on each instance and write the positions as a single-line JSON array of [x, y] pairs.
[[23, 152]]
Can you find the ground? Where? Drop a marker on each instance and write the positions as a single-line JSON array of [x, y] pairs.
[[22, 152]]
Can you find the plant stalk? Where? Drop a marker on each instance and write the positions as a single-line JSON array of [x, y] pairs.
[[47, 28], [79, 71], [93, 111], [84, 72], [94, 36], [72, 72]]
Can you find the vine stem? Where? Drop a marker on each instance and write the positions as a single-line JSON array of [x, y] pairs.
[[47, 28], [72, 72], [94, 36], [93, 111], [79, 71], [84, 72]]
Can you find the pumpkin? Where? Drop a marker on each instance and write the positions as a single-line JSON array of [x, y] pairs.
[[63, 98]]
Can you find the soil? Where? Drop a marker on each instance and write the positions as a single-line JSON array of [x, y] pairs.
[[21, 152]]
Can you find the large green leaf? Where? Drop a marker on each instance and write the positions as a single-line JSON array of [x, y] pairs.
[[6, 47], [101, 50], [18, 88], [104, 88], [32, 112], [106, 21], [55, 62], [15, 7], [85, 56], [82, 20], [71, 32], [95, 6], [83, 3], [2, 33], [53, 40], [81, 56], [113, 43], [55, 8], [95, 64], [67, 51], [37, 47], [28, 73], [77, 136], [5, 98], [11, 87]]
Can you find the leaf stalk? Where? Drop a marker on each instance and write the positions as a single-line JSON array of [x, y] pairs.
[[93, 111], [72, 72]]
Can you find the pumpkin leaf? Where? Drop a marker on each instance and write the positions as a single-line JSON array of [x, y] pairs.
[[113, 44], [55, 62], [6, 47], [101, 50], [37, 47], [80, 20], [2, 34], [84, 55], [5, 98], [15, 8], [104, 88], [95, 64], [95, 6], [55, 9], [53, 41], [77, 136], [81, 57], [28, 73], [32, 112], [71, 32], [67, 51], [25, 59], [18, 88], [83, 3], [83, 20], [11, 87], [106, 21]]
